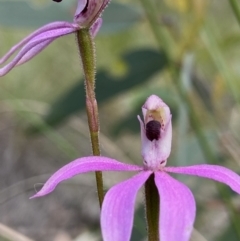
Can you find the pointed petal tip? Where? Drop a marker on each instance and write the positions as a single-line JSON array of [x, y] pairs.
[[34, 196], [42, 192]]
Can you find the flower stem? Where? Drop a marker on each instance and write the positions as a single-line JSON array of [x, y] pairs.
[[87, 51], [236, 9], [152, 209], [159, 33]]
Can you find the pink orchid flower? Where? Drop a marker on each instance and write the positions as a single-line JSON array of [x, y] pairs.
[[87, 15], [177, 204]]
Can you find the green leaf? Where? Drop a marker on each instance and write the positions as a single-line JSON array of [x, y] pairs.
[[229, 234], [142, 64]]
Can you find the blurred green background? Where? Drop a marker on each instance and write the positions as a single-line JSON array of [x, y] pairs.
[[185, 51]]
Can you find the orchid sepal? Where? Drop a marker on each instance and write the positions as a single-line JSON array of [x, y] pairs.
[[83, 165]]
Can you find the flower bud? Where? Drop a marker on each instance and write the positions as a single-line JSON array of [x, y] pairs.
[[156, 133]]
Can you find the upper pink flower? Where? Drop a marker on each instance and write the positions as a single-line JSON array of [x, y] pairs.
[[87, 15], [177, 204]]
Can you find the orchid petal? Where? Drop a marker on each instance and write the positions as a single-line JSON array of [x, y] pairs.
[[156, 152], [48, 27], [83, 165], [34, 51], [153, 102], [177, 208], [217, 173], [155, 109], [88, 11], [82, 4], [95, 27], [40, 39], [118, 208], [156, 132]]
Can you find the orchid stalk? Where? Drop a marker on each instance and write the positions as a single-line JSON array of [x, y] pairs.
[[86, 24], [177, 208], [236, 9], [87, 52]]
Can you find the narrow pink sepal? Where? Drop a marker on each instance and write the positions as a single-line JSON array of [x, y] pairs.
[[50, 26], [217, 173], [34, 51], [177, 208], [36, 41], [118, 208], [96, 27], [83, 165]]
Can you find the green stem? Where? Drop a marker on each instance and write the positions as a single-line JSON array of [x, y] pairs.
[[236, 9], [87, 51], [194, 119], [152, 208], [159, 32], [219, 60]]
